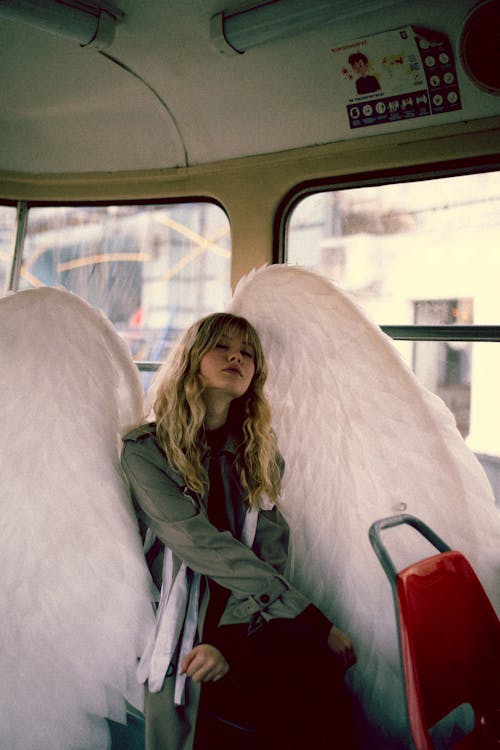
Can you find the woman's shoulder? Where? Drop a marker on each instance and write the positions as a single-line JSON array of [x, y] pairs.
[[142, 452], [143, 432], [142, 441]]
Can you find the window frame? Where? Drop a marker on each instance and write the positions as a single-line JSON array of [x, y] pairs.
[[23, 209], [455, 168], [22, 215]]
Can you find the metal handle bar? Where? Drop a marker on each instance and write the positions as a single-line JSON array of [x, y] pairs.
[[402, 518]]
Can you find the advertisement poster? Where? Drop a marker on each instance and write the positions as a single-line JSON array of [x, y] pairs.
[[396, 75]]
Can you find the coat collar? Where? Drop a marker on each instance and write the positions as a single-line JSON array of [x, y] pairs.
[[148, 430]]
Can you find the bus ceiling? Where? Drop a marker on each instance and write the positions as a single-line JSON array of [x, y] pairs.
[[128, 87]]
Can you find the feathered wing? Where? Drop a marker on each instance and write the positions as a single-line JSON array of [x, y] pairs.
[[75, 591], [362, 440]]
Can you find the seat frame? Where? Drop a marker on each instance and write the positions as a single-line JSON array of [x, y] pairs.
[[449, 639]]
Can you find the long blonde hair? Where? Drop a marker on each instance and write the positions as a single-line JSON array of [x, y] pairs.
[[180, 411]]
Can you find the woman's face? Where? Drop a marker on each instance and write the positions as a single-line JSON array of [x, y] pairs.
[[229, 367]]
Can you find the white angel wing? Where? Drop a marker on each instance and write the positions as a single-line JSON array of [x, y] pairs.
[[75, 592], [362, 440]]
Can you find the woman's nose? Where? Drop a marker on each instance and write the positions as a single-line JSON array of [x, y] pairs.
[[235, 355]]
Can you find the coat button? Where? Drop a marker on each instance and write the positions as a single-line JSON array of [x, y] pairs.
[[264, 598]]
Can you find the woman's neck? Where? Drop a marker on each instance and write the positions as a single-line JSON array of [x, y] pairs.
[[217, 411]]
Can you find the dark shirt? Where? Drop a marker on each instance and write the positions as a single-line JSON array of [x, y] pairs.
[[216, 509], [218, 517]]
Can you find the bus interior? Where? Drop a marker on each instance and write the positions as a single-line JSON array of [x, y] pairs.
[[153, 153]]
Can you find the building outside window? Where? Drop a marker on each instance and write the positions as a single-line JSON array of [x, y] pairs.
[[152, 270], [421, 253]]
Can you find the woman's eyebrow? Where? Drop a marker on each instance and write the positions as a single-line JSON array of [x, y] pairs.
[[228, 337]]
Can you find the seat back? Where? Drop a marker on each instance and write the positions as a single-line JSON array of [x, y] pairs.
[[449, 637]]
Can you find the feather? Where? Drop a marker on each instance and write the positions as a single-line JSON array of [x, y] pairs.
[[75, 593], [362, 440]]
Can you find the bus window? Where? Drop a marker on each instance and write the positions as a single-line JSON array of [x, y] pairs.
[[421, 253], [392, 245], [7, 236], [152, 270]]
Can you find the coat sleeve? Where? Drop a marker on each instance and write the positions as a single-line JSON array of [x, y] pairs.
[[272, 539], [271, 544], [272, 536], [183, 526]]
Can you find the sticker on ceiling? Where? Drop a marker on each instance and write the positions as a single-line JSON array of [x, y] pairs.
[[397, 75]]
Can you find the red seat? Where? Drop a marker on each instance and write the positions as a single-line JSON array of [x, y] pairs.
[[449, 638]]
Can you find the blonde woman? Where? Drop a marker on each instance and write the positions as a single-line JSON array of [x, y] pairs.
[[205, 479]]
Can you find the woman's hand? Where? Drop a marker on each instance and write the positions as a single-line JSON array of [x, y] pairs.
[[204, 663], [341, 647]]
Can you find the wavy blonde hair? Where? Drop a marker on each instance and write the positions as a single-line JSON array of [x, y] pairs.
[[180, 411]]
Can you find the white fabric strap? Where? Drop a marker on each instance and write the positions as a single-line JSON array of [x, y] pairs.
[[188, 636], [250, 526], [158, 654], [144, 666], [149, 540], [178, 614]]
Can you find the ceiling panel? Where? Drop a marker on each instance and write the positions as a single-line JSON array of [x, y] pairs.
[[168, 99]]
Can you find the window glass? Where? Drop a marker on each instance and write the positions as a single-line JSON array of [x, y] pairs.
[[7, 236], [465, 376], [152, 270], [424, 253], [392, 245]]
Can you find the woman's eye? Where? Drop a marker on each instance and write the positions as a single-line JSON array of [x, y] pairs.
[[247, 354], [221, 346]]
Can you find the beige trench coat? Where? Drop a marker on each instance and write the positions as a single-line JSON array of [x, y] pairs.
[[253, 576]]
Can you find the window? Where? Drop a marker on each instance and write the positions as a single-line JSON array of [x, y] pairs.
[[444, 367], [390, 245], [7, 234], [152, 270], [423, 255]]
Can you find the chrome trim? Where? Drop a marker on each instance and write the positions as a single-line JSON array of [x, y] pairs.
[[443, 333], [409, 333], [143, 366], [17, 250]]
